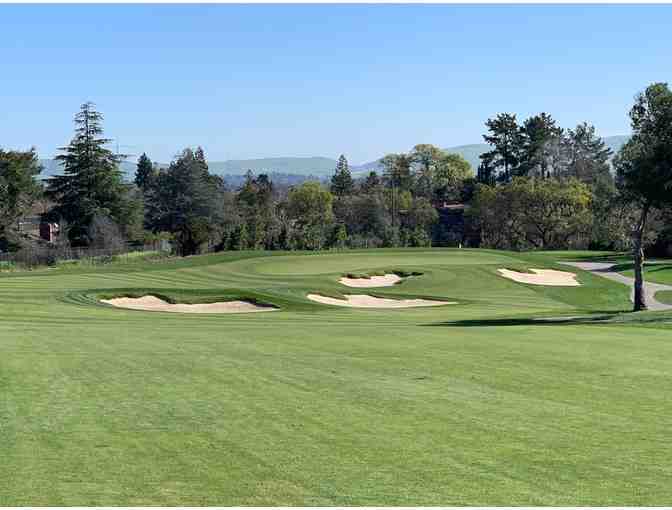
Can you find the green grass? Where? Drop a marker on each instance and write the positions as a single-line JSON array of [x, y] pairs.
[[518, 395], [657, 271], [664, 296]]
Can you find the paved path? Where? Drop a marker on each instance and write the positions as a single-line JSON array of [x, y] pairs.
[[604, 269]]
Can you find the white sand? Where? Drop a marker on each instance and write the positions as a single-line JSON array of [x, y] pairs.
[[548, 277], [374, 281], [365, 301], [155, 304]]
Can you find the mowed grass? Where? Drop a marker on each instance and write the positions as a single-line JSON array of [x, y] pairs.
[[658, 272], [664, 296], [479, 403]]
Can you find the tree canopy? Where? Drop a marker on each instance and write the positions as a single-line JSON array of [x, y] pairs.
[[19, 190], [186, 200], [91, 184], [644, 167]]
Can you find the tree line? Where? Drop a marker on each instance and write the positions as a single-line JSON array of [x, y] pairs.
[[539, 187], [545, 187]]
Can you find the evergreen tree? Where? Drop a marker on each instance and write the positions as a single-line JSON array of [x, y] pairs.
[[257, 210], [486, 171], [19, 190], [144, 172], [371, 184], [397, 173], [186, 200], [541, 146], [587, 156], [507, 141], [91, 184], [644, 168], [242, 241], [341, 182]]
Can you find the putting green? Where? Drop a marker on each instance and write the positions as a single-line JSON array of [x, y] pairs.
[[478, 403]]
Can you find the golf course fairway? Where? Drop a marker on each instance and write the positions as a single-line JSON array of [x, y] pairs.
[[515, 395]]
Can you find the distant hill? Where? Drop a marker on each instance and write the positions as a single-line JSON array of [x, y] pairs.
[[51, 167], [616, 142], [236, 181], [297, 169], [305, 167], [294, 166]]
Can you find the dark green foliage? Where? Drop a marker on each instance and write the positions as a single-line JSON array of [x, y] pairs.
[[310, 207], [238, 238], [644, 167], [450, 176], [506, 140], [587, 156], [397, 173], [256, 208], [341, 182], [186, 199], [145, 172], [542, 149], [371, 183], [644, 164], [533, 213], [425, 157], [420, 216], [19, 189], [486, 173], [91, 184], [541, 146]]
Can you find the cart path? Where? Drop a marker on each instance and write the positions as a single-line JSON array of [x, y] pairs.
[[604, 269]]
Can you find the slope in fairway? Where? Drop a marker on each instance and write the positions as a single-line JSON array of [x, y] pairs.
[[468, 404]]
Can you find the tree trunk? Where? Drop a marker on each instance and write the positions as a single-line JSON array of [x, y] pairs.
[[638, 256]]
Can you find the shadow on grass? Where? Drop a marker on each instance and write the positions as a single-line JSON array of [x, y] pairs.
[[649, 267], [598, 317], [529, 321], [609, 257]]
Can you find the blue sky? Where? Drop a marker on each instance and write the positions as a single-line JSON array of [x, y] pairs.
[[250, 81]]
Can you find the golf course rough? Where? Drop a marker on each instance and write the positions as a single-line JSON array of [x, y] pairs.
[[480, 403]]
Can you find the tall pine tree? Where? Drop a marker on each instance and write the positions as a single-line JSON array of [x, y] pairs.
[[91, 184], [541, 146], [187, 201], [144, 172], [588, 156], [644, 169], [341, 182], [506, 139]]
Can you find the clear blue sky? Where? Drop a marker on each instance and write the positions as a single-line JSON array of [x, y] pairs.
[[250, 81]]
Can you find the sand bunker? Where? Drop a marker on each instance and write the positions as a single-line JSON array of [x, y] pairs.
[[542, 277], [373, 281], [155, 304], [366, 301]]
